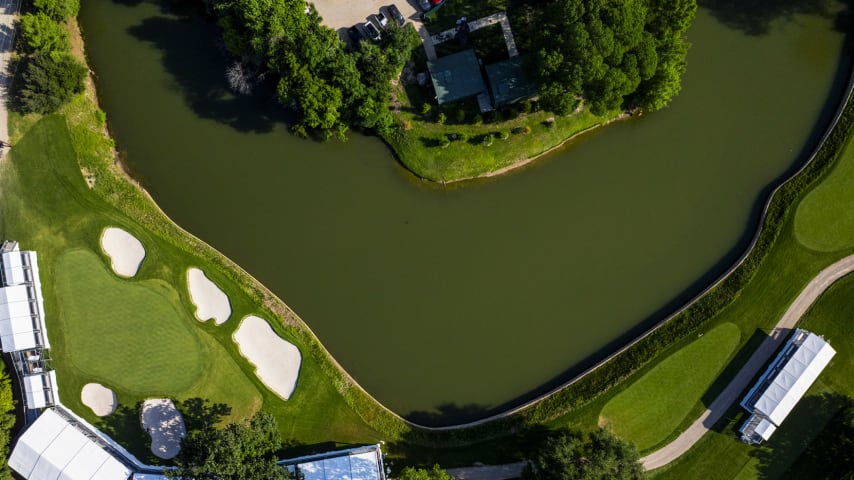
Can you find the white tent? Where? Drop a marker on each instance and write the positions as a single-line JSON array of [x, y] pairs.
[[53, 449], [794, 378], [41, 390], [21, 303]]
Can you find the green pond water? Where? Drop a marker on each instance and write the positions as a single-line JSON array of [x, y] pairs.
[[448, 304]]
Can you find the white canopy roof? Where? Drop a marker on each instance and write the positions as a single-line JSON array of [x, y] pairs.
[[13, 267], [21, 303], [794, 378], [765, 429], [41, 390], [53, 449]]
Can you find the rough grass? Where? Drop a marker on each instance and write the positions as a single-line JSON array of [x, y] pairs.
[[652, 407], [823, 221]]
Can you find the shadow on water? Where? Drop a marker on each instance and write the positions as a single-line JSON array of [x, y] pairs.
[[197, 61], [754, 17]]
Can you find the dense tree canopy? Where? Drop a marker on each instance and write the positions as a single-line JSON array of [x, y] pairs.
[[567, 456], [239, 451], [42, 34], [49, 81], [434, 473], [7, 420], [328, 87], [612, 52], [59, 10]]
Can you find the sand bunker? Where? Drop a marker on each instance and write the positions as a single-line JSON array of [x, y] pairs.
[[99, 398], [276, 360], [210, 301], [165, 424], [124, 250]]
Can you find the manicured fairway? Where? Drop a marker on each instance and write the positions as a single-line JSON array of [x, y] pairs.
[[124, 332], [654, 406], [824, 219]]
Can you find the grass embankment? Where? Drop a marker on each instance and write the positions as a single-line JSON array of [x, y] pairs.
[[427, 150], [47, 206], [667, 393]]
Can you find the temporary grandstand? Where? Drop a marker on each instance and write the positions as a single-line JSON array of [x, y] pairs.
[[783, 384], [22, 330], [360, 463]]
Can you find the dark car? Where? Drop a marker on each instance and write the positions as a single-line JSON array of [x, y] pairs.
[[381, 18], [396, 15], [354, 34], [373, 32], [425, 5]]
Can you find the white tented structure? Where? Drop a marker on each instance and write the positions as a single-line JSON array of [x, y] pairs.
[[360, 463], [53, 448], [783, 384], [21, 302], [40, 389]]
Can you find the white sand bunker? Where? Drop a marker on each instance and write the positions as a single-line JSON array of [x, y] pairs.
[[277, 361], [210, 301], [124, 250], [99, 398], [165, 424]]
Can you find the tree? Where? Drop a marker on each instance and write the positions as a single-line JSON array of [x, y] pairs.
[[7, 420], [434, 473], [49, 81], [59, 10], [239, 451], [566, 456], [42, 34]]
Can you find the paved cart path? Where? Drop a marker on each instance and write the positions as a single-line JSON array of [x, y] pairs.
[[488, 472], [8, 12], [730, 394]]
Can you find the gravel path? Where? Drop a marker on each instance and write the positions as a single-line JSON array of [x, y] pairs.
[[730, 394]]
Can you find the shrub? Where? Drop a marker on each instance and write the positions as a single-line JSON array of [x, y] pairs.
[[477, 119], [441, 118], [488, 140], [41, 34], [407, 125], [526, 130], [59, 10], [504, 134], [526, 107], [461, 116], [100, 117], [425, 108], [444, 142], [48, 82], [463, 137]]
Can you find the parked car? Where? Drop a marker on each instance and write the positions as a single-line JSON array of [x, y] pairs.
[[436, 2], [373, 32], [354, 34], [381, 19], [396, 15], [425, 5]]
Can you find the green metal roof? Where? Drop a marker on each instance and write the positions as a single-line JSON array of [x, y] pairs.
[[508, 83], [456, 76]]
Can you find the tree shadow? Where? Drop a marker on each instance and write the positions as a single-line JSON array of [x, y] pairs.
[[754, 17], [831, 454], [507, 446], [449, 414], [200, 414], [734, 366], [124, 426], [194, 56], [795, 436]]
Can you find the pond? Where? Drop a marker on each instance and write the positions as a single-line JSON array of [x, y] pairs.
[[447, 304]]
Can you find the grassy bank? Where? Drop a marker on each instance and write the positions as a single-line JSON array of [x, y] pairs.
[[468, 148]]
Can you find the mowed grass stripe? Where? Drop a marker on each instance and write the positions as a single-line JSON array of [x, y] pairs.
[[823, 220], [125, 333], [649, 410]]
